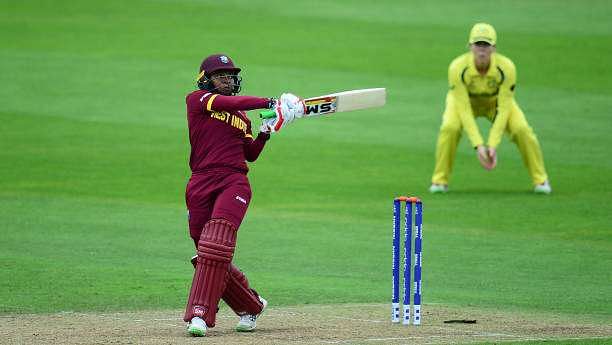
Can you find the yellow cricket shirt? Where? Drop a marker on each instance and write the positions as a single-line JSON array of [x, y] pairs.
[[488, 95]]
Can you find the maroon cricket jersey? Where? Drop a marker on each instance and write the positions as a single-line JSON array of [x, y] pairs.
[[220, 132]]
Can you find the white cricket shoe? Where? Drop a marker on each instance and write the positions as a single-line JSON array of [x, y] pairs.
[[197, 327], [543, 188], [438, 188], [248, 322]]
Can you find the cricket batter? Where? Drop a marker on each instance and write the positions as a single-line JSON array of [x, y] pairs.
[[482, 83], [218, 192]]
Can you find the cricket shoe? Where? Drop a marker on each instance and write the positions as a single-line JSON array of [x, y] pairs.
[[197, 327], [438, 188], [248, 322], [543, 188]]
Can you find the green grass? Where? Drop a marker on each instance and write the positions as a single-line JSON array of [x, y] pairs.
[[93, 154]]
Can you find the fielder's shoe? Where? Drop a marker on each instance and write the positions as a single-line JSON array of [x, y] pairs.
[[543, 188], [438, 188], [248, 322], [197, 327]]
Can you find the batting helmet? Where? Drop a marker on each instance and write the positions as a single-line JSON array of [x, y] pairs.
[[214, 63]]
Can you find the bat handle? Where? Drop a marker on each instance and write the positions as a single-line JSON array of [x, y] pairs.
[[267, 114]]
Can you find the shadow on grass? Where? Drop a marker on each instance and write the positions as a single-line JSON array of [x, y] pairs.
[[487, 192]]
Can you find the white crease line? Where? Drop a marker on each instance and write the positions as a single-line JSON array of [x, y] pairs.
[[545, 339], [351, 319], [469, 332], [476, 334], [463, 334], [350, 341]]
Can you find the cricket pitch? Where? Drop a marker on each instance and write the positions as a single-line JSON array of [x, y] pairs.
[[310, 324]]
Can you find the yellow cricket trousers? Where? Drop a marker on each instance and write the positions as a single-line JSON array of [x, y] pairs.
[[520, 133]]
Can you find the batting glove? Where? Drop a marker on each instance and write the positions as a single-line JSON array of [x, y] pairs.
[[294, 104], [287, 108]]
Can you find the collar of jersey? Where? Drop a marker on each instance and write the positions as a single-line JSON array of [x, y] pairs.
[[473, 72]]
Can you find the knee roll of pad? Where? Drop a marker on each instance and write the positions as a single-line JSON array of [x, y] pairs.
[[217, 242]]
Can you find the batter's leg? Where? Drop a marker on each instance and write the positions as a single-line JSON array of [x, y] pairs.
[[232, 204], [233, 201], [215, 253], [216, 248], [197, 218], [239, 296]]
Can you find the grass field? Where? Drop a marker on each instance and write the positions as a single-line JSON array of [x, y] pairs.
[[94, 150]]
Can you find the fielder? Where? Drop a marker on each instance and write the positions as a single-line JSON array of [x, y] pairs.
[[218, 192], [482, 83]]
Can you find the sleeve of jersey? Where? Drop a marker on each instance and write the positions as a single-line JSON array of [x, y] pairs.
[[252, 148], [460, 93], [216, 102], [504, 105]]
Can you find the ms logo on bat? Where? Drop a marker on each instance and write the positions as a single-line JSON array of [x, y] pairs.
[[320, 106]]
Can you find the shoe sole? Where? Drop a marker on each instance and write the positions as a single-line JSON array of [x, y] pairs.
[[249, 329], [542, 191], [437, 191], [196, 332], [244, 329]]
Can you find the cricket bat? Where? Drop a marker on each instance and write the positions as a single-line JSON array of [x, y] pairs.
[[339, 102]]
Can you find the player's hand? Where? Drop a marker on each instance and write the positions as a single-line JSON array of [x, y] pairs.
[[265, 127], [287, 108], [281, 119], [492, 156], [294, 104], [483, 157]]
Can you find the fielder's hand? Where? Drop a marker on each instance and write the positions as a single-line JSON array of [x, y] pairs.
[[492, 157], [483, 157], [287, 108]]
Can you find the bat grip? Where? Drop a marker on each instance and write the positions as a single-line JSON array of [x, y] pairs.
[[267, 114]]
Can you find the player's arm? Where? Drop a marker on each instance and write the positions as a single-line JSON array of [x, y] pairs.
[[459, 92], [252, 148], [504, 104], [216, 102]]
